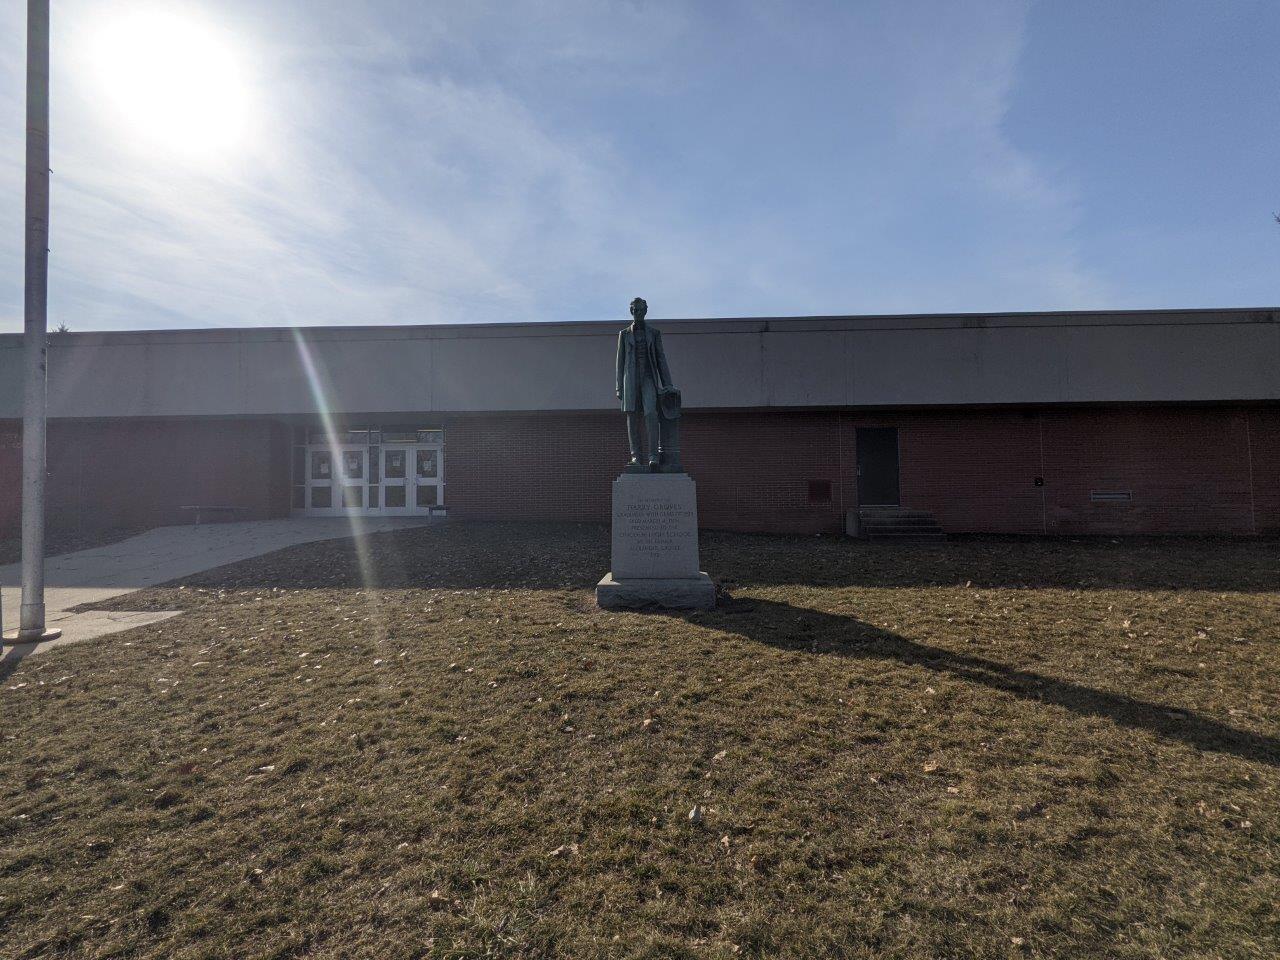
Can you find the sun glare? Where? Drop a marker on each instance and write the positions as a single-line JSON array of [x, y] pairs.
[[171, 80]]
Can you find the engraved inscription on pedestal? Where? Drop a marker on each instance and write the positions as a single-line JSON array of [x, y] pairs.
[[655, 546], [655, 526]]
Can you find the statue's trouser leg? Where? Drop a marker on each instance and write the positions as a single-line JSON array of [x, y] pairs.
[[633, 433], [655, 434], [649, 404]]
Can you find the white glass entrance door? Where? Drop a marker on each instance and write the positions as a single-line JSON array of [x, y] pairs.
[[389, 479], [355, 473], [336, 478], [428, 478], [412, 479], [320, 493], [397, 495]]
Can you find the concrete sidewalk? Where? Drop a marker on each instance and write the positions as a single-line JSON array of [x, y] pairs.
[[158, 556]]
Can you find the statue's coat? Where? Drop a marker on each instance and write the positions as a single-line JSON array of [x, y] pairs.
[[627, 366]]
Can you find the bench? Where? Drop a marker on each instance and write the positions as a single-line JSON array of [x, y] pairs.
[[199, 509]]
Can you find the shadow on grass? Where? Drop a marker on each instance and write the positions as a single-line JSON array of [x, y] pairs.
[[14, 654], [1098, 563], [825, 634]]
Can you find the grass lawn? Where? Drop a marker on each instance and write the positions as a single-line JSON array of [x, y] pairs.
[[971, 749]]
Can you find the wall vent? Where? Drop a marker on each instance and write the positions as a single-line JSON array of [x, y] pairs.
[[819, 491], [1110, 496]]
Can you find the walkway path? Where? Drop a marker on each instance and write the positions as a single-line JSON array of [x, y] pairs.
[[154, 557]]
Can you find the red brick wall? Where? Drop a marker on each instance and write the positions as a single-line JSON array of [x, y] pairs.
[[121, 473], [10, 479], [752, 470], [974, 471], [1189, 470], [1263, 438], [533, 467]]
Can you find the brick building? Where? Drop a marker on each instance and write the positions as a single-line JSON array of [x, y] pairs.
[[1062, 423]]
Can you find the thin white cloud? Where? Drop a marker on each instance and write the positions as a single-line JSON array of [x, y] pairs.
[[488, 162]]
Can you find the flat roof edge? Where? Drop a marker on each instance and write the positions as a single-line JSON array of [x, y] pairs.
[[553, 328]]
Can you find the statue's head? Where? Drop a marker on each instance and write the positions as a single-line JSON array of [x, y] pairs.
[[638, 309]]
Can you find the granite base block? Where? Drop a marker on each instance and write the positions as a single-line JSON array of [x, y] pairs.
[[681, 593], [655, 526]]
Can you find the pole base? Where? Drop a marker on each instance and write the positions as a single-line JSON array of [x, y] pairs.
[[13, 637]]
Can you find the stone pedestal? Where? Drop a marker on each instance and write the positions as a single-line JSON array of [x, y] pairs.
[[655, 545]]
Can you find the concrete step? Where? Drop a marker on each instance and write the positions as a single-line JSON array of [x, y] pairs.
[[925, 521], [897, 524], [912, 535]]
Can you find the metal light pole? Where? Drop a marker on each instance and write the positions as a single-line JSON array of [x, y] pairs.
[[35, 342]]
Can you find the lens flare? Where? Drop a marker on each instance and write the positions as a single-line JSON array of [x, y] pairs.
[[321, 391]]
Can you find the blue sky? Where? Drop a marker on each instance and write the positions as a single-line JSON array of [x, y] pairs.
[[416, 162]]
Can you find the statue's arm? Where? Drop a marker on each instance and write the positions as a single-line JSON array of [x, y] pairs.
[[664, 373], [621, 362]]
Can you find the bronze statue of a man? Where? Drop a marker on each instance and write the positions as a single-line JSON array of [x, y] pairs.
[[647, 394]]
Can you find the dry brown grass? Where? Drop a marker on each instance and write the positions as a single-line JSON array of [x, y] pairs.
[[972, 749]]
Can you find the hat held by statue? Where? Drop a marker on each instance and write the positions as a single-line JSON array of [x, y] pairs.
[[669, 403]]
